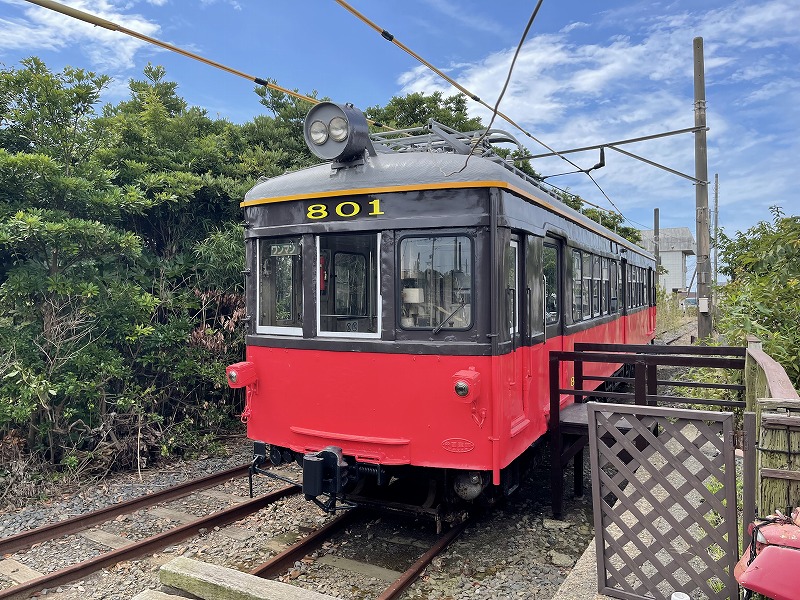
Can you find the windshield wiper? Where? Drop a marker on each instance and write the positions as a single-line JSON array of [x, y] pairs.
[[442, 324]]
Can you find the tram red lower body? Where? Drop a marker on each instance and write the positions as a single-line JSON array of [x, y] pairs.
[[399, 409]]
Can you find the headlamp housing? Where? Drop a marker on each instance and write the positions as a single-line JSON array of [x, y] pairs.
[[337, 132]]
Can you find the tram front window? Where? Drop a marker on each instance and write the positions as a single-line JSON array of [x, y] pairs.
[[436, 282], [347, 285], [280, 286]]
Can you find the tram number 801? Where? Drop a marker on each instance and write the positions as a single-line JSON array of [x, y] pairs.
[[346, 209]]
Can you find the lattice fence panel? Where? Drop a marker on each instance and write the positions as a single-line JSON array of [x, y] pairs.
[[664, 491]]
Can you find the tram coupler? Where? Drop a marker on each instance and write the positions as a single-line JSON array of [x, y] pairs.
[[325, 473]]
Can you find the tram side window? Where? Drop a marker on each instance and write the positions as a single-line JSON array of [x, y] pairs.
[[577, 283], [595, 286], [436, 282], [637, 287], [280, 285], [614, 282], [348, 284], [586, 290], [604, 288], [551, 270], [631, 286], [512, 295]]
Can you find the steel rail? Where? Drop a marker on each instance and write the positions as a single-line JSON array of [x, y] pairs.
[[282, 561], [146, 546], [49, 532], [308, 544], [413, 572]]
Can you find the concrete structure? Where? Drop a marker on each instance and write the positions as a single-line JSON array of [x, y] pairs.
[[674, 245], [213, 582]]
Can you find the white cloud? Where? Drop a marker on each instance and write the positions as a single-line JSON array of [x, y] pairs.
[[44, 29], [638, 81], [772, 89], [572, 26], [234, 4], [454, 11]]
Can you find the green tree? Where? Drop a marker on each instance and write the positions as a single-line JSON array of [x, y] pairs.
[[49, 113], [761, 297], [117, 311], [60, 244], [277, 143], [416, 109]]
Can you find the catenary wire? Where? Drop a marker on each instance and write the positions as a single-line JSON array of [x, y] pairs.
[[391, 38], [111, 26], [505, 84]]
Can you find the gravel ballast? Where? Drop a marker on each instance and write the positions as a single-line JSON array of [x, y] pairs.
[[513, 551]]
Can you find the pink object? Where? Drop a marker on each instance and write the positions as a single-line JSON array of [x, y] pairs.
[[774, 573]]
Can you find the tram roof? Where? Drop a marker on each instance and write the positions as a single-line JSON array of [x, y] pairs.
[[411, 171]]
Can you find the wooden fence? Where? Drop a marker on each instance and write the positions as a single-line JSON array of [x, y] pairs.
[[770, 393]]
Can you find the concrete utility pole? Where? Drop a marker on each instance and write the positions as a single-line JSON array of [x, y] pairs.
[[656, 244], [716, 227], [704, 328]]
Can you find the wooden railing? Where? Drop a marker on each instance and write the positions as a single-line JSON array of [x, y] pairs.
[[568, 427], [770, 393]]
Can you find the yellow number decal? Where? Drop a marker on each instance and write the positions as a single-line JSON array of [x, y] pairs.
[[572, 381], [354, 209], [376, 207], [317, 211]]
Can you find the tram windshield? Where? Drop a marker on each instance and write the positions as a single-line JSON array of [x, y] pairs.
[[436, 282], [347, 286], [280, 286]]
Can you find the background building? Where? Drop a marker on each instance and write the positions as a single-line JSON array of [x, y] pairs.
[[675, 244]]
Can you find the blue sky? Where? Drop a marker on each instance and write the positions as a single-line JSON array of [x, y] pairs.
[[590, 72]]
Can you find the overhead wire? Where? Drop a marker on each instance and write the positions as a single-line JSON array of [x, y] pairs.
[[111, 26], [495, 110], [508, 79]]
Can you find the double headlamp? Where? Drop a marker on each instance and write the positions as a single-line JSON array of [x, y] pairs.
[[337, 132], [336, 129]]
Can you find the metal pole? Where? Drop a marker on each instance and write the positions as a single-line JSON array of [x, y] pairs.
[[701, 194], [656, 244], [716, 225], [714, 293]]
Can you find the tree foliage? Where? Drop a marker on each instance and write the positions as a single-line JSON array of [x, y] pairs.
[[611, 220], [113, 339], [415, 110], [761, 297]]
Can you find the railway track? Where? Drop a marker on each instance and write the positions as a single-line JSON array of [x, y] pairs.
[[135, 548], [285, 560]]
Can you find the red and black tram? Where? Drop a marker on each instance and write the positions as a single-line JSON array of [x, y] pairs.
[[403, 298]]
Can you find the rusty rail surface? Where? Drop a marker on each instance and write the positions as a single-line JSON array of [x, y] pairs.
[[146, 546], [282, 561], [308, 544], [414, 571], [26, 539]]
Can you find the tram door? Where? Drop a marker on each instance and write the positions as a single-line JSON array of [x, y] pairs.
[[553, 308], [514, 377], [650, 295]]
